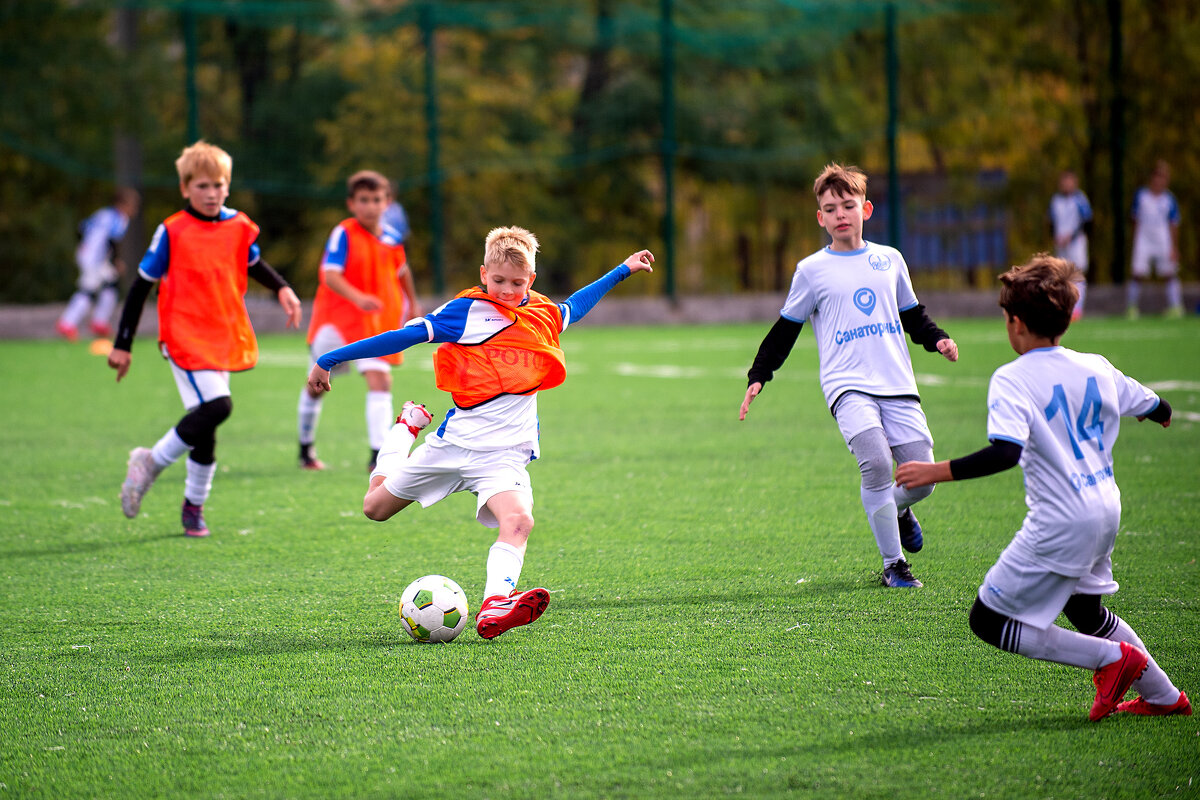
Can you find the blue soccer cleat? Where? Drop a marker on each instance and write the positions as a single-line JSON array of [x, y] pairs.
[[898, 575], [910, 531]]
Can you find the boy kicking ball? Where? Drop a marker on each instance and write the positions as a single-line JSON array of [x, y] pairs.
[[1057, 413], [500, 347]]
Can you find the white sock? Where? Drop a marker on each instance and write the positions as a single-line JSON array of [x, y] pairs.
[[380, 417], [1066, 647], [394, 449], [1154, 685], [199, 482], [308, 414], [1082, 287], [1133, 293], [881, 515], [169, 449], [77, 309], [503, 570], [106, 303], [905, 498], [1174, 293]]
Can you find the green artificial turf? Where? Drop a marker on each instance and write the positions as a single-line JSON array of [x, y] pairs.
[[716, 626]]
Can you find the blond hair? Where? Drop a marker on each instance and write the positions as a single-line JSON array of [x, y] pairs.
[[513, 245], [843, 181], [1041, 293], [205, 159]]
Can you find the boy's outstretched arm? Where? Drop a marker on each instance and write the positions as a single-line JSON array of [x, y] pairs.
[[925, 332], [774, 350], [998, 456], [383, 344], [584, 300]]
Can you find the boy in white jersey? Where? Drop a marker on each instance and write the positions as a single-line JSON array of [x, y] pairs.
[[1070, 224], [1057, 413], [99, 266], [860, 300], [499, 348], [1155, 241]]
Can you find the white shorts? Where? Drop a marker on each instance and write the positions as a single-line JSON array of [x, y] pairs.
[[901, 418], [1147, 256], [437, 469], [327, 338], [1027, 592], [1075, 251], [197, 386]]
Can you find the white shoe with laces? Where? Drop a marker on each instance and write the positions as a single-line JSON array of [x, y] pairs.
[[138, 480]]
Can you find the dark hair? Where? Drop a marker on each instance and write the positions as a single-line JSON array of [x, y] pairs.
[[844, 181], [1042, 294], [369, 180]]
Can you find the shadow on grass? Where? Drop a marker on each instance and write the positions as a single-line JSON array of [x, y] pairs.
[[82, 548]]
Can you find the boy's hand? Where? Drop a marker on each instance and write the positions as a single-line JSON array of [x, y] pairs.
[[949, 349], [318, 381], [912, 474], [119, 360], [1166, 423], [751, 392], [640, 261], [291, 306], [368, 302]]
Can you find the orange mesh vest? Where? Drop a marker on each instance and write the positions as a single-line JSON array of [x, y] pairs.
[[202, 315], [374, 267], [521, 359]]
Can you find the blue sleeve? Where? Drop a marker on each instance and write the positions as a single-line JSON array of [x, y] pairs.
[[383, 344], [158, 256], [579, 304]]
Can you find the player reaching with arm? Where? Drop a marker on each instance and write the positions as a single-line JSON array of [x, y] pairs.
[[860, 300], [200, 258], [499, 348], [1057, 413]]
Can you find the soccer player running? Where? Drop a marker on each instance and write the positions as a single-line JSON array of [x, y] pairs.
[[200, 258], [499, 348], [99, 266], [860, 300], [1057, 413]]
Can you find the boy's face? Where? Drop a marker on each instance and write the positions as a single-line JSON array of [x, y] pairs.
[[842, 217], [1067, 183], [506, 283], [206, 193], [1159, 181], [367, 206]]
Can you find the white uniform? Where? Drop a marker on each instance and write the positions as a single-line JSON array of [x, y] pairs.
[[1064, 409], [1156, 215], [853, 301], [94, 253], [1068, 214]]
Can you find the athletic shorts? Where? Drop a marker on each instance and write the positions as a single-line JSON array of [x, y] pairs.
[[1158, 257], [1018, 588], [327, 338], [1075, 251], [901, 418], [197, 386], [437, 469]]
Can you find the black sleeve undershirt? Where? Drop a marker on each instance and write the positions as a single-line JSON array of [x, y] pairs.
[[131, 314], [1162, 413], [265, 274], [996, 457], [774, 350], [921, 329]]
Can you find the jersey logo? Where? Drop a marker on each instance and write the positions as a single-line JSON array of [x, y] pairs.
[[864, 300], [879, 262]]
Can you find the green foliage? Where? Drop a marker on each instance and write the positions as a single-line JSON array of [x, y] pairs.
[[715, 627]]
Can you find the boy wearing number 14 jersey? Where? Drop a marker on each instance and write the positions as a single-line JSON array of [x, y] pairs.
[[1057, 413]]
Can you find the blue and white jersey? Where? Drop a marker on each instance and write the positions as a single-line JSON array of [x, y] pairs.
[[1155, 215], [853, 301], [1068, 214], [98, 233], [1064, 408], [158, 255], [395, 217], [337, 247]]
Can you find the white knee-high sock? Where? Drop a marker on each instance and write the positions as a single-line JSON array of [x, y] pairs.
[[1133, 292], [169, 449], [881, 515], [77, 309], [106, 303], [380, 417], [1154, 685], [1082, 287], [503, 570], [393, 450], [1174, 294], [308, 414], [199, 482], [1063, 646]]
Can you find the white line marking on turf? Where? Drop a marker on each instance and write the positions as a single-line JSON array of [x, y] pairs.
[[1190, 416], [1174, 386]]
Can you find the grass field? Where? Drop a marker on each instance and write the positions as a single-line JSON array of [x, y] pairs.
[[716, 624]]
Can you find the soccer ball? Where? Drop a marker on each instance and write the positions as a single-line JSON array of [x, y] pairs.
[[433, 609]]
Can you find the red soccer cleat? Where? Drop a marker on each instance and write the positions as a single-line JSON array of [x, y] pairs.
[[1182, 706], [68, 332], [499, 614], [1113, 680]]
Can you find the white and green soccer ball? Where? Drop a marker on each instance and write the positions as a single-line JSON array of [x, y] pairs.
[[433, 609]]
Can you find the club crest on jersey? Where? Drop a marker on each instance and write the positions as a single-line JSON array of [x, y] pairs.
[[864, 300], [879, 262]]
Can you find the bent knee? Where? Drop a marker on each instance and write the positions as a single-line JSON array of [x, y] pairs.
[[377, 507], [517, 523]]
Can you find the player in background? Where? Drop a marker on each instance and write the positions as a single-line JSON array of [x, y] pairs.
[[200, 258], [1070, 226], [1057, 413], [366, 288], [99, 266], [860, 300], [1155, 242], [499, 348]]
